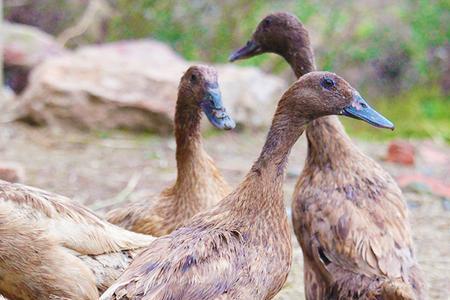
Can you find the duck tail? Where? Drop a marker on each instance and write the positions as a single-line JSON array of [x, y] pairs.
[[397, 290], [122, 239], [105, 238]]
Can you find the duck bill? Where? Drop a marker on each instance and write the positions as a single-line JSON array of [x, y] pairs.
[[359, 109], [249, 50], [215, 111]]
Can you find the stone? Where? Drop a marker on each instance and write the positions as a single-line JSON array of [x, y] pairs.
[[24, 47], [27, 46], [133, 85], [11, 171], [401, 152], [422, 184]]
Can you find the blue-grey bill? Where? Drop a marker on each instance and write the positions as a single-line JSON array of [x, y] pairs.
[[359, 109], [250, 49], [215, 111]]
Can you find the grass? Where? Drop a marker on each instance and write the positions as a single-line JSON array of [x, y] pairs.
[[417, 114]]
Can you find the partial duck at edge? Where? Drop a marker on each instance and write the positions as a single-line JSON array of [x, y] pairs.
[[52, 246]]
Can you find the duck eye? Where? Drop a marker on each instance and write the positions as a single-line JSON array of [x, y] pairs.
[[193, 78], [267, 22], [327, 83]]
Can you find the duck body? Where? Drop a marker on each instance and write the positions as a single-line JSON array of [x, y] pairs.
[[199, 184], [351, 220], [46, 240], [34, 266], [240, 248], [223, 253], [212, 257], [349, 215]]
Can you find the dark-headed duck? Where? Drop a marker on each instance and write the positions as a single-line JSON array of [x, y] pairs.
[[349, 215], [199, 184]]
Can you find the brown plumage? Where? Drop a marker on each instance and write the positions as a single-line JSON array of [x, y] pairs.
[[49, 244], [349, 215], [199, 184], [240, 248], [34, 266]]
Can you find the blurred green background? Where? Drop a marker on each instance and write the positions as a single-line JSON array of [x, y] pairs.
[[395, 53]]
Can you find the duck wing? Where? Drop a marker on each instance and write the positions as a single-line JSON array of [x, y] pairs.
[[363, 228], [68, 222], [191, 263], [34, 266]]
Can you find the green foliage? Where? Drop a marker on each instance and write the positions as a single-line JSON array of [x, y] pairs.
[[199, 30], [355, 32], [429, 22]]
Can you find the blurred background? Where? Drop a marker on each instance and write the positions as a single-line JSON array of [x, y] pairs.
[[396, 54], [89, 89]]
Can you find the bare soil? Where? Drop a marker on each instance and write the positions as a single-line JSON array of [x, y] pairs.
[[103, 170]]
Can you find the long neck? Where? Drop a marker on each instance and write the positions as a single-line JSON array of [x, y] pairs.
[[280, 139], [326, 135], [267, 173], [329, 146], [190, 155], [300, 57]]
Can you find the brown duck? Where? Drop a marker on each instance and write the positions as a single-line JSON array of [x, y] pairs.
[[349, 215], [199, 184], [52, 246], [240, 248]]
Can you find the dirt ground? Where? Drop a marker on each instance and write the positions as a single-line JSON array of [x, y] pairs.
[[105, 169]]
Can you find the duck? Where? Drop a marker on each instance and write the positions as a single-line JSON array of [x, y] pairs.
[[349, 215], [33, 264], [241, 247], [199, 184], [52, 246]]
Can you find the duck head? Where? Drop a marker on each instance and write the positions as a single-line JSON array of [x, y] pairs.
[[281, 33], [317, 94], [201, 89]]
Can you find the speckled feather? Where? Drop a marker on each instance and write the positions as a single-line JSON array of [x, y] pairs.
[[70, 235], [34, 266], [353, 229]]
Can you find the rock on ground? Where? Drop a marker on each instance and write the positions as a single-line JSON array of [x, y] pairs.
[[133, 85], [401, 152], [11, 171], [24, 47]]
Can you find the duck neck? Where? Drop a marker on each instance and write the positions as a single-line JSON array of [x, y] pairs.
[[190, 155], [267, 173], [328, 143], [300, 57], [273, 158]]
